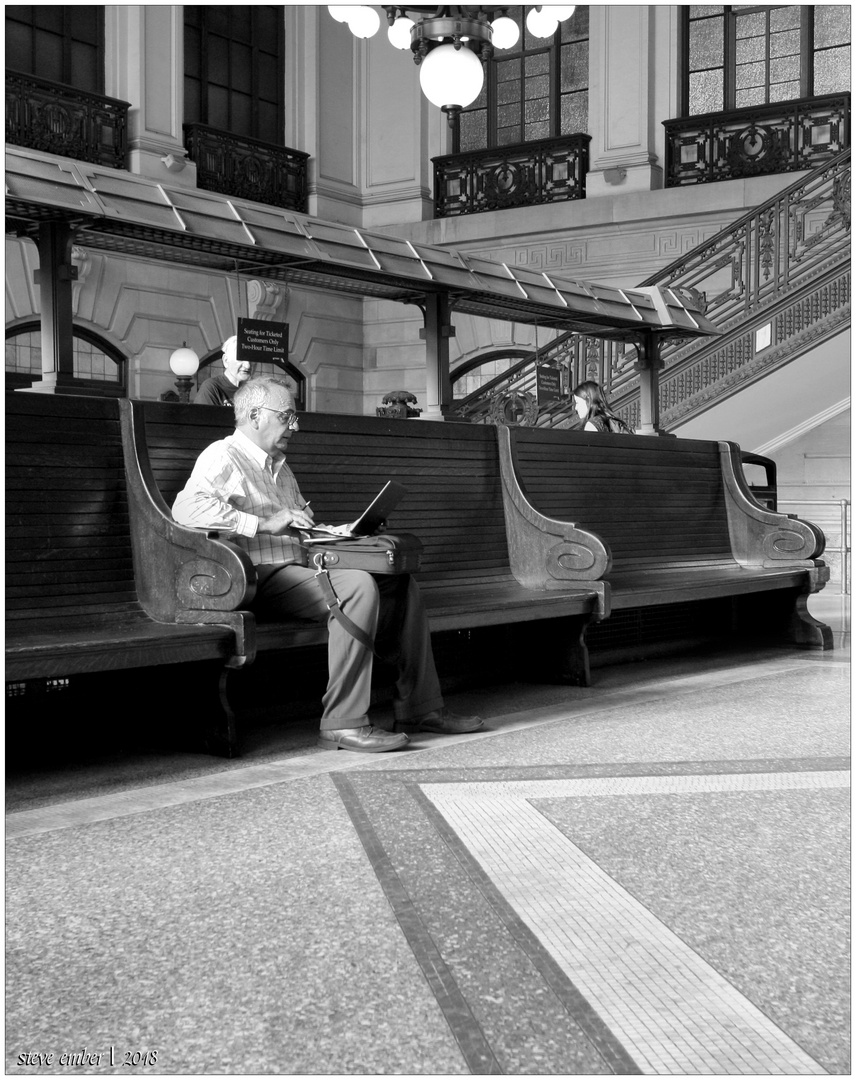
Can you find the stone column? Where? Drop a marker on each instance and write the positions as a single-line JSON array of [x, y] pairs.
[[144, 65], [622, 118]]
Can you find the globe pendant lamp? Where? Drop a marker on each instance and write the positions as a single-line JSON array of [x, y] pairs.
[[451, 78], [541, 22]]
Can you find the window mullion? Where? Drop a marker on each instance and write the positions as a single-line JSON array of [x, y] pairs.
[[254, 75], [730, 59], [807, 50]]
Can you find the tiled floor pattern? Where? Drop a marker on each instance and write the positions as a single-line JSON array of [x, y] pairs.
[[670, 1010], [539, 959]]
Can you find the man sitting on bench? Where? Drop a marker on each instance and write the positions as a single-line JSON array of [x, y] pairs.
[[241, 485]]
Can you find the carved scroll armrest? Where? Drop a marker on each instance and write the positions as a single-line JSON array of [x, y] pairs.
[[544, 553], [176, 568], [215, 576], [761, 537]]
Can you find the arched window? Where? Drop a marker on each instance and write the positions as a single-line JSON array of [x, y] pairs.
[[213, 365], [473, 374], [96, 363], [537, 90], [60, 42], [752, 55]]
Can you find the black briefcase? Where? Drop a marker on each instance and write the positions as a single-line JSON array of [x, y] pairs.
[[385, 553]]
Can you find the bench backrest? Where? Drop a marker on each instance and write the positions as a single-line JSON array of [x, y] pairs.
[[68, 543], [451, 472], [655, 501]]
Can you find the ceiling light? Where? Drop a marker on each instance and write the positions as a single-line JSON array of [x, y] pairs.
[[464, 38]]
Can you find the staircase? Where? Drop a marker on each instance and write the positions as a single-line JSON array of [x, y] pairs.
[[776, 282]]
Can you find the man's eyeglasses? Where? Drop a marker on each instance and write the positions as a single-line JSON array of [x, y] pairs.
[[289, 418]]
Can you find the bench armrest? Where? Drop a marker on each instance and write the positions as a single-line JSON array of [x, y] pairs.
[[544, 553], [177, 569], [761, 537]]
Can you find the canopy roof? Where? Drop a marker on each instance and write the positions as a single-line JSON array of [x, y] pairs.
[[118, 212]]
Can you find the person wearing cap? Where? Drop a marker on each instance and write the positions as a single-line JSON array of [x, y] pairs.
[[220, 389]]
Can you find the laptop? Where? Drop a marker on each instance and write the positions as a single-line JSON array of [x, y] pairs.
[[369, 521]]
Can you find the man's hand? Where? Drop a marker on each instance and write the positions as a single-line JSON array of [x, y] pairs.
[[286, 519]]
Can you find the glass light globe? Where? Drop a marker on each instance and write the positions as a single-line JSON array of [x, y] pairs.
[[543, 23], [339, 13], [184, 362], [363, 21], [451, 76], [399, 32], [506, 33], [562, 13]]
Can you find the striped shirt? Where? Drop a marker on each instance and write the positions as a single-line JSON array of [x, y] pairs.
[[234, 483]]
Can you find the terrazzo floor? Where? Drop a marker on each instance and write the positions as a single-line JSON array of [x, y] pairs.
[[646, 876]]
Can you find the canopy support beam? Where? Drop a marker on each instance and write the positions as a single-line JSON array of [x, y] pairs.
[[438, 329]]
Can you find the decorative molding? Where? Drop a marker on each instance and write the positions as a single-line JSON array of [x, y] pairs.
[[265, 298], [83, 261], [804, 428]]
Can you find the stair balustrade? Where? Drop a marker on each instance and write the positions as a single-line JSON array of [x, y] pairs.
[[776, 282]]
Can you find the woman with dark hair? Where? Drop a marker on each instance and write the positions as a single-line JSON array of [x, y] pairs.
[[593, 410]]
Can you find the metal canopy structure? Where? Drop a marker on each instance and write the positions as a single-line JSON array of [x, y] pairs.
[[114, 211]]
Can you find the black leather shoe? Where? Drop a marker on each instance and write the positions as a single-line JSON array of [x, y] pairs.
[[442, 722], [365, 740]]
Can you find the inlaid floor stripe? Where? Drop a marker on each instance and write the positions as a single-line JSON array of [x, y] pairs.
[[670, 1009]]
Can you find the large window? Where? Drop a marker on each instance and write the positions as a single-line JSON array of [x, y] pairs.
[[60, 42], [537, 90], [751, 55], [233, 69]]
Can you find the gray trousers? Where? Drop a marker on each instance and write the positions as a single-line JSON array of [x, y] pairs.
[[370, 602]]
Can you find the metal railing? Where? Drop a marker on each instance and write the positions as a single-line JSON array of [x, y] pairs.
[[783, 265], [788, 136], [246, 168], [844, 524], [526, 174], [57, 119]]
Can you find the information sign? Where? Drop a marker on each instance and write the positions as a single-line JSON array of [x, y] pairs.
[[262, 342], [548, 384]]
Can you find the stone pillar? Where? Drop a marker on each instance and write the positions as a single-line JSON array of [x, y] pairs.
[[622, 117], [144, 65]]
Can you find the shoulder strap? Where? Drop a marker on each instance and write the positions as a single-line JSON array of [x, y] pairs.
[[334, 606]]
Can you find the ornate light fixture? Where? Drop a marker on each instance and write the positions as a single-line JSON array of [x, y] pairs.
[[451, 45], [184, 363]]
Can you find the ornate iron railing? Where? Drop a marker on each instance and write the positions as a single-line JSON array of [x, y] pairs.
[[547, 171], [776, 281], [247, 168], [58, 119], [789, 136]]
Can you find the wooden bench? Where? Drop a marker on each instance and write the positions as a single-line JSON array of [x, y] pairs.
[[71, 602], [100, 579], [659, 521], [454, 503]]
